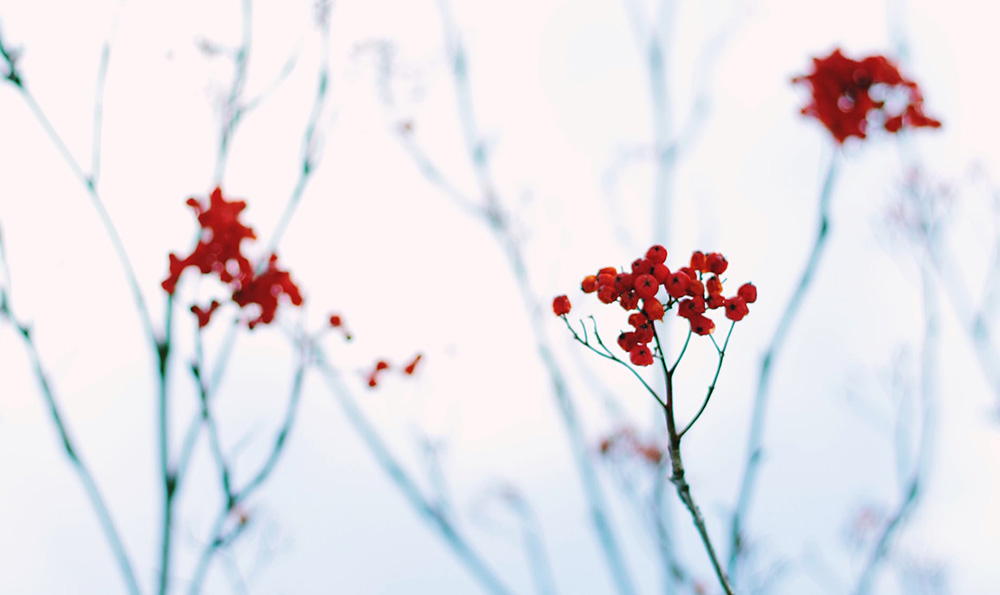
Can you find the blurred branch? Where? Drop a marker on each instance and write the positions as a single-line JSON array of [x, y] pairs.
[[14, 77], [197, 370], [308, 160], [220, 538], [102, 76], [83, 472], [756, 437], [911, 490], [530, 533], [232, 111], [491, 211], [459, 544]]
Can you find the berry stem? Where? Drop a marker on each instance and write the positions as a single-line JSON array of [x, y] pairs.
[[677, 476]]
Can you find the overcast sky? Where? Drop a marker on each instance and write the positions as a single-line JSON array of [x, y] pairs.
[[561, 95]]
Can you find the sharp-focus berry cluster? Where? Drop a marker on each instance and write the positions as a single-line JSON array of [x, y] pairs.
[[219, 252], [844, 96], [693, 289]]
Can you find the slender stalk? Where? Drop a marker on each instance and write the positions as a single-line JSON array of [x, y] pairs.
[[308, 162], [680, 483], [460, 546], [233, 109], [496, 219], [608, 354], [911, 491], [715, 379], [234, 498], [102, 213], [168, 476], [756, 436], [102, 77]]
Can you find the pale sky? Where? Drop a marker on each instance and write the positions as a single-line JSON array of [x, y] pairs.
[[560, 92]]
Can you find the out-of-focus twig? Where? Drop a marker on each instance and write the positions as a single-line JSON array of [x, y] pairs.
[[15, 78], [910, 490], [219, 537], [437, 520], [102, 77], [48, 394], [756, 437], [489, 209]]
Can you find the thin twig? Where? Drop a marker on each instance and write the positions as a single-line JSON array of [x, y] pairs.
[[307, 167], [680, 483], [98, 204], [608, 354], [233, 110], [497, 221], [715, 379], [911, 491], [102, 77], [234, 498]]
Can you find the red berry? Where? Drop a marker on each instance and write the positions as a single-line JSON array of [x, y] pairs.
[[716, 301], [701, 325], [695, 288], [657, 254], [629, 300], [698, 261], [336, 321], [637, 319], [623, 281], [646, 286], [653, 309], [691, 307], [677, 285], [641, 266], [641, 355], [661, 273], [561, 305], [748, 292], [736, 308], [716, 263], [714, 286], [607, 294], [589, 284], [644, 332], [627, 341]]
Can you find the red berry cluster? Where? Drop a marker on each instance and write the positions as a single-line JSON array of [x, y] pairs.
[[694, 289], [219, 252], [842, 101]]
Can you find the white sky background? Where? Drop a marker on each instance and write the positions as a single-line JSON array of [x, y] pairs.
[[562, 95]]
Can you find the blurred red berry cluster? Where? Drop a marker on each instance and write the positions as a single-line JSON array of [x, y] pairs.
[[219, 252], [843, 98], [694, 289], [624, 442]]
